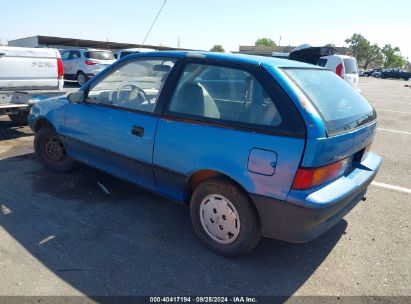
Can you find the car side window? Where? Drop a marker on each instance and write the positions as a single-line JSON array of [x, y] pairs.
[[74, 55], [65, 55], [223, 93], [135, 85]]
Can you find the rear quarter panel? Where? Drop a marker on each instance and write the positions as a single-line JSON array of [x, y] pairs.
[[186, 148]]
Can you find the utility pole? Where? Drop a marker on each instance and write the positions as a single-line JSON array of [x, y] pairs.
[[279, 41], [178, 42]]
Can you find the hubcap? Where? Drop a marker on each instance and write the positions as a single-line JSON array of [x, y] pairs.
[[220, 219], [81, 79], [54, 149]]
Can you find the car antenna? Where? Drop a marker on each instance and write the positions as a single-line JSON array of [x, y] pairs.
[[155, 19]]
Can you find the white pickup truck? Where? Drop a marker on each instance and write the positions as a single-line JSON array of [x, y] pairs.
[[28, 75]]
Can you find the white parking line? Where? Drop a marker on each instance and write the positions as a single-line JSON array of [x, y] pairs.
[[393, 111], [382, 100], [391, 187], [395, 131], [386, 95]]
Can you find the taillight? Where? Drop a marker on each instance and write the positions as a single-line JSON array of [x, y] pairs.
[[90, 62], [306, 178], [60, 68], [339, 70]]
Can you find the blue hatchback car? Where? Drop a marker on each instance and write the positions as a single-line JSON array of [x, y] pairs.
[[255, 146]]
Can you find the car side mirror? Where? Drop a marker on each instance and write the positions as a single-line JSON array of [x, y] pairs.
[[76, 97]]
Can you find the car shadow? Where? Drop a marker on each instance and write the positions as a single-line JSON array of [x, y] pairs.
[[104, 237], [69, 84], [10, 130]]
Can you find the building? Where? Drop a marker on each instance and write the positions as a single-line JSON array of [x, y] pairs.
[[65, 43], [268, 50]]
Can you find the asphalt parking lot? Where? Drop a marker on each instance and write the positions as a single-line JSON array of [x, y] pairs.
[[60, 234]]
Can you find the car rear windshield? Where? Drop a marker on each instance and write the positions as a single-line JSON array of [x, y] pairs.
[[99, 55], [350, 65], [341, 107]]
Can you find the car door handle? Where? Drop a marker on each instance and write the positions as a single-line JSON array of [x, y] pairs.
[[137, 131]]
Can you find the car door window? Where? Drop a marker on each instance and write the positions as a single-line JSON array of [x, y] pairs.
[[135, 85], [74, 55], [222, 93]]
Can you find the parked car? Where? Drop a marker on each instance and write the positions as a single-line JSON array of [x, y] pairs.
[[124, 52], [344, 66], [395, 73], [26, 76], [368, 73], [255, 146], [83, 64], [376, 74]]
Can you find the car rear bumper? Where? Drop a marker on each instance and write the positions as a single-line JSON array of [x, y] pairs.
[[306, 215]]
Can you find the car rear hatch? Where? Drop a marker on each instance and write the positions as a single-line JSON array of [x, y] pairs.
[[349, 123], [351, 71], [99, 59], [29, 68]]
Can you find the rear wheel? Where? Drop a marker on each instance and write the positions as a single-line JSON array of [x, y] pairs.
[[81, 78], [51, 151], [20, 118], [223, 218]]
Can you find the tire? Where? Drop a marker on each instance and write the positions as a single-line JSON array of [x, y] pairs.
[[81, 78], [406, 79], [51, 152], [233, 239], [20, 118]]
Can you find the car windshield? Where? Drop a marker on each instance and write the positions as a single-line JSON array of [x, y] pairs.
[[341, 107], [99, 55], [350, 65]]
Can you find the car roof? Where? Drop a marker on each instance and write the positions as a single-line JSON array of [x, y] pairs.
[[85, 49], [230, 58], [137, 50]]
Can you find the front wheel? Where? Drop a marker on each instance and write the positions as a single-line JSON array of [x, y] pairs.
[[51, 151], [224, 218]]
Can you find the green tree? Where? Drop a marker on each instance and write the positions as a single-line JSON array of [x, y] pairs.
[[393, 57], [373, 55], [358, 47], [265, 42], [330, 45], [366, 53], [217, 48]]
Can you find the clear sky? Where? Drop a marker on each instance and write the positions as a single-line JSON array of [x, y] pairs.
[[201, 24]]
